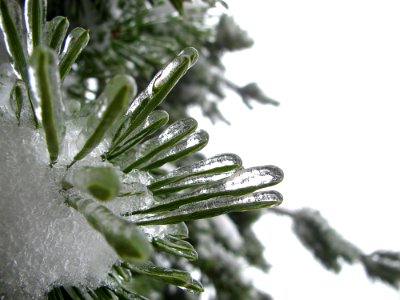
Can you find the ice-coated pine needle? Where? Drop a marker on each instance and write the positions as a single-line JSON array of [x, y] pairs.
[[193, 143], [216, 164], [171, 276], [35, 17], [155, 93], [14, 32], [45, 84], [151, 124], [128, 241], [109, 107], [56, 31], [213, 207], [76, 41], [176, 247], [242, 182], [192, 182], [170, 136], [100, 182]]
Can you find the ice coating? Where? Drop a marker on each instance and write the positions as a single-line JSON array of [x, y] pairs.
[[158, 88], [178, 66], [193, 181], [39, 234], [110, 105], [240, 183], [218, 163], [183, 62], [47, 102], [171, 134], [133, 195], [194, 142], [174, 276], [56, 31], [15, 37], [175, 246], [35, 17], [212, 207], [152, 147], [99, 182], [179, 230], [152, 123], [192, 53], [74, 44], [128, 241]]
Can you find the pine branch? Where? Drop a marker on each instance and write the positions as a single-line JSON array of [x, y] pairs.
[[329, 247]]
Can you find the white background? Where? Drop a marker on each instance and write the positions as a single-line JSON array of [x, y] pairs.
[[335, 68]]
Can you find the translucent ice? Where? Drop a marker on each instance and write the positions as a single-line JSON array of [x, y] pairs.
[[240, 183], [216, 164]]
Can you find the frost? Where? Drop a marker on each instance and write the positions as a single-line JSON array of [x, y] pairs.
[[43, 242]]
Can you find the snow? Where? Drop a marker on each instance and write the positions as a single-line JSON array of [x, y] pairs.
[[43, 242]]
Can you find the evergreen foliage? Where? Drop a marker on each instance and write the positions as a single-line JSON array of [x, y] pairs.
[[60, 77], [147, 233]]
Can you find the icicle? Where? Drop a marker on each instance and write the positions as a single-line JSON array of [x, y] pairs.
[[216, 164], [35, 17], [128, 241], [242, 182], [74, 44], [155, 93], [151, 124], [213, 207], [45, 87], [56, 31]]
